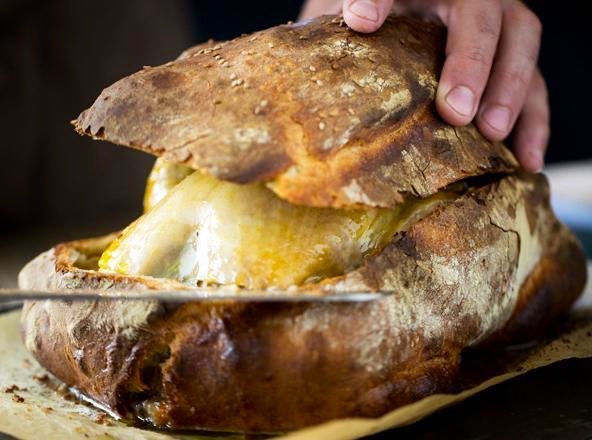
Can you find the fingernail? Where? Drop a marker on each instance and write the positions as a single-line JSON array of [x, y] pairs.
[[365, 9], [462, 100], [498, 116]]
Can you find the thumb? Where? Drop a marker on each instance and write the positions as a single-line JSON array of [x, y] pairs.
[[366, 15]]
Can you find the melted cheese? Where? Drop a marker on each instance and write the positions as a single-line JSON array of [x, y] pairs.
[[206, 231], [162, 179], [219, 232]]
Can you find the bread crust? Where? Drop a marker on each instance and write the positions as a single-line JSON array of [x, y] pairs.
[[327, 116], [469, 272]]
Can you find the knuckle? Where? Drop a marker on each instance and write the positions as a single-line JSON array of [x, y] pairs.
[[532, 21], [490, 5], [486, 27], [517, 78], [521, 14], [476, 55]]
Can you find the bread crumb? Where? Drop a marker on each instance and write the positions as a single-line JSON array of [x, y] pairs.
[[262, 105], [11, 389], [41, 377]]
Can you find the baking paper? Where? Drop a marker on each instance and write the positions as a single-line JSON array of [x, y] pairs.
[[32, 405]]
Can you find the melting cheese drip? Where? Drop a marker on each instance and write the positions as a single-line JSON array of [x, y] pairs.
[[163, 178], [209, 231]]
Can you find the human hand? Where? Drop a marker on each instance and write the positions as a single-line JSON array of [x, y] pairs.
[[490, 73]]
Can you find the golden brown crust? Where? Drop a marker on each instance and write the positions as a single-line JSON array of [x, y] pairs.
[[460, 276], [549, 290], [328, 116]]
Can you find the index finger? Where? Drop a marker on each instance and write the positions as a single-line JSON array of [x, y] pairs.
[[473, 31]]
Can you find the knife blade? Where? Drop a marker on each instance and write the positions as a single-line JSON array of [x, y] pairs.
[[204, 294]]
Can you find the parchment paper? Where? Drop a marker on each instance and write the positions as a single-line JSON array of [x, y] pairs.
[[32, 406]]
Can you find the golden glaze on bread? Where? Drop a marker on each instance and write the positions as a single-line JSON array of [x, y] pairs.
[[327, 116], [469, 272]]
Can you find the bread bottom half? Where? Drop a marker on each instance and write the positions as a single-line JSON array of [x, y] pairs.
[[492, 267]]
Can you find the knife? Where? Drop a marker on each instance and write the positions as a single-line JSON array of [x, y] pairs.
[[204, 294]]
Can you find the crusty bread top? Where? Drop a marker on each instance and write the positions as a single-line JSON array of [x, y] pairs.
[[327, 116]]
